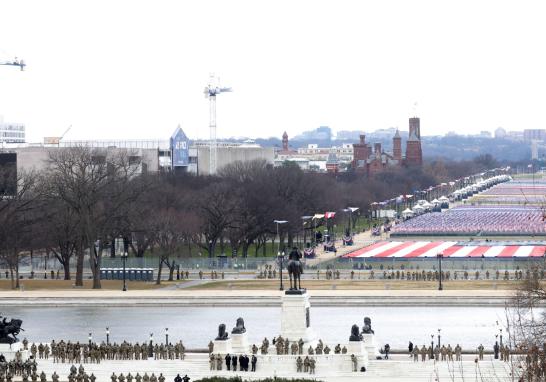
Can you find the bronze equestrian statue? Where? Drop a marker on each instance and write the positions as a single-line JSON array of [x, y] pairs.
[[295, 269], [9, 330]]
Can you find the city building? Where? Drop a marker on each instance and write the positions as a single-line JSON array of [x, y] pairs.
[[371, 161], [534, 134], [177, 154], [500, 133], [11, 132]]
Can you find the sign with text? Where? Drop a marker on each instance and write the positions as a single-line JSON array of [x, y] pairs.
[[180, 146]]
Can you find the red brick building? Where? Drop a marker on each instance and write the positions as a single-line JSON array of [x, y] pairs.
[[370, 162]]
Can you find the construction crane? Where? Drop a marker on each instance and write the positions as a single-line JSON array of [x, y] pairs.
[[15, 62], [211, 91]]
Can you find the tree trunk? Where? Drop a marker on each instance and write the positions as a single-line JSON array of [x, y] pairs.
[[171, 271], [94, 262], [12, 280], [66, 268], [160, 268], [79, 266], [16, 272], [245, 249]]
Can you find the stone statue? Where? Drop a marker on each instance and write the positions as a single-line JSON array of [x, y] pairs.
[[367, 328], [355, 334], [239, 326], [222, 335], [295, 269], [9, 330]]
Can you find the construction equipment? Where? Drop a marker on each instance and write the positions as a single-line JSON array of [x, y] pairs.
[[15, 62], [211, 91]]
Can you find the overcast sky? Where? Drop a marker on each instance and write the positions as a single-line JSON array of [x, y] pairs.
[[135, 69]]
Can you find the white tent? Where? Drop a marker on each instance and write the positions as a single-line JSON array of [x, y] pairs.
[[418, 209], [407, 213], [426, 205]]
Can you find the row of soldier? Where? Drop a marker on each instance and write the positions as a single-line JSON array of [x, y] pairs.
[[268, 273], [75, 352], [443, 353], [306, 365], [17, 366], [284, 347], [137, 378], [447, 353], [29, 377]]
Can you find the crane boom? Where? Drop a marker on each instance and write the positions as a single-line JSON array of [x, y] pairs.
[[211, 91]]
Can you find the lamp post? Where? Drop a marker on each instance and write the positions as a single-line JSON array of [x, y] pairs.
[[280, 259], [107, 335], [279, 222], [124, 259], [151, 346], [90, 338], [432, 346], [167, 336], [440, 257], [439, 337], [500, 336]]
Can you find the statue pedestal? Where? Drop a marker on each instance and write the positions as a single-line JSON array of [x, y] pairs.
[[296, 318], [222, 347], [239, 343], [9, 351], [370, 345], [358, 348]]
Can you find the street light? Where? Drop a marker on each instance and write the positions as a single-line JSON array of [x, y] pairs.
[[279, 257], [166, 336], [90, 338], [439, 337], [107, 335], [119, 248], [432, 346], [500, 336], [440, 257]]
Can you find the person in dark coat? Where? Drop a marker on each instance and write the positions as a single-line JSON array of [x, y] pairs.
[[253, 362], [186, 378], [410, 347], [228, 361], [242, 362], [387, 350], [178, 378], [234, 362], [496, 350]]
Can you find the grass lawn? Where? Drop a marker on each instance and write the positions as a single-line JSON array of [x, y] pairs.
[[87, 284], [358, 284]]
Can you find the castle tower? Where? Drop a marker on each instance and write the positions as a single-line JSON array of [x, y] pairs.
[[361, 153], [397, 146], [414, 154], [285, 142], [415, 127]]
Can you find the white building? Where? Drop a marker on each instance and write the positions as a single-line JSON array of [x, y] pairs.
[[11, 132]]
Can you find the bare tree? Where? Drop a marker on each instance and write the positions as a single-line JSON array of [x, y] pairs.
[[19, 202], [97, 186]]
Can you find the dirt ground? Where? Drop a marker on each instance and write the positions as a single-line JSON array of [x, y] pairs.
[[358, 284]]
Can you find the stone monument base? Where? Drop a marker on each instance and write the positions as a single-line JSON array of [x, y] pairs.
[[296, 318], [222, 347], [239, 343], [9, 351], [358, 348], [370, 345]]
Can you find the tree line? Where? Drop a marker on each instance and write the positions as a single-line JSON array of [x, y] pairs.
[[85, 198]]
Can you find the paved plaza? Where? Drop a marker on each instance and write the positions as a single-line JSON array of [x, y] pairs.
[[399, 367]]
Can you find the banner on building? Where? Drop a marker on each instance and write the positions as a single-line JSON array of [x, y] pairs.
[[180, 146]]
